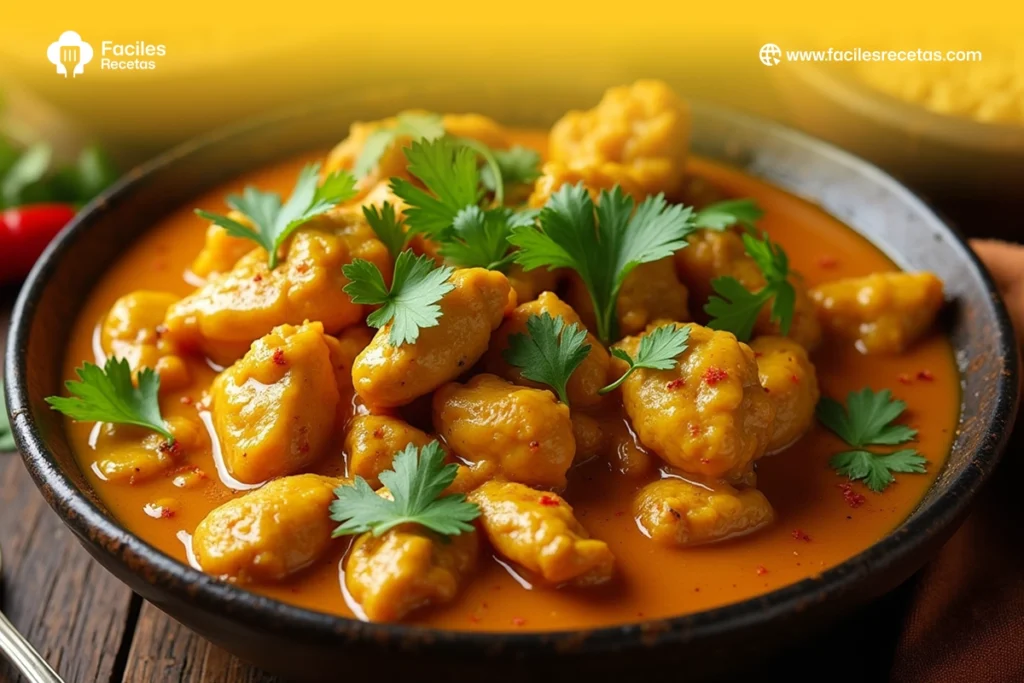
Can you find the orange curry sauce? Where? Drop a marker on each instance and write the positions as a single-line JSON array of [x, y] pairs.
[[819, 523]]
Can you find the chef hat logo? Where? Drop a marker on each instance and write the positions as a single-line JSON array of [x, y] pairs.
[[69, 54]]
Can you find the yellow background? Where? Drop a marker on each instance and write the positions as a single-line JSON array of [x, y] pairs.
[[228, 60]]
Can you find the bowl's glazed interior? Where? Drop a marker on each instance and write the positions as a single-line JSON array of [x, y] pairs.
[[303, 643]]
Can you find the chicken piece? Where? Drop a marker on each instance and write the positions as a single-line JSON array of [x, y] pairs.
[[538, 531], [226, 314], [221, 251], [595, 177], [392, 161], [645, 127], [408, 568], [588, 435], [884, 312], [585, 381], [677, 513], [373, 441], [788, 377], [651, 292], [344, 350], [268, 534], [507, 431], [528, 284], [274, 410], [712, 254], [387, 376], [132, 455], [708, 415], [133, 331]]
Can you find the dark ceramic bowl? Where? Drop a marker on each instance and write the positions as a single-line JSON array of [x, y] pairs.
[[309, 645]]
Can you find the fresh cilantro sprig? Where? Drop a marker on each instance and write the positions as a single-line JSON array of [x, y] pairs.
[[409, 124], [603, 244], [658, 350], [725, 214], [734, 308], [108, 395], [549, 353], [410, 304], [273, 222], [416, 481], [478, 238], [388, 227], [517, 166], [867, 420]]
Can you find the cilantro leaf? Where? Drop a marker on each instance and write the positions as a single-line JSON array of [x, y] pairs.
[[107, 395], [388, 228], [550, 353], [517, 165], [6, 435], [410, 124], [479, 239], [658, 351], [416, 483], [449, 172], [603, 244], [876, 470], [735, 309], [868, 420], [412, 301], [273, 222], [725, 214]]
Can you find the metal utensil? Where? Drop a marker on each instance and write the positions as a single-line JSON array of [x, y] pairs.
[[18, 650]]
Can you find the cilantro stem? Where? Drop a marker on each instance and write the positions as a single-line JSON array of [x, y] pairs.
[[617, 383], [485, 153]]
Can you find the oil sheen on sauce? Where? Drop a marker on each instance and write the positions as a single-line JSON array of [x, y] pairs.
[[817, 524]]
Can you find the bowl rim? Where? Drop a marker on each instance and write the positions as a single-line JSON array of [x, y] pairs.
[[838, 86], [104, 536]]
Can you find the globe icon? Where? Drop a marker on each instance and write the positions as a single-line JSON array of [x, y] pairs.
[[770, 54]]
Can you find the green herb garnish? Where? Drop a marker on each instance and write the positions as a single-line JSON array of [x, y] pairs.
[[6, 435], [549, 353], [389, 229], [658, 350], [735, 308], [517, 166], [603, 244], [868, 420], [725, 214], [108, 395], [410, 304], [414, 126], [416, 481], [273, 222]]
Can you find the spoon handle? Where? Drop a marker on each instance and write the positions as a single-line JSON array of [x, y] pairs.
[[24, 657]]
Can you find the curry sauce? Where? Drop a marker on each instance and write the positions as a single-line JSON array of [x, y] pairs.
[[819, 518]]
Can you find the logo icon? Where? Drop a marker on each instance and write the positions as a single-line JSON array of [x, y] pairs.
[[770, 54], [69, 54]]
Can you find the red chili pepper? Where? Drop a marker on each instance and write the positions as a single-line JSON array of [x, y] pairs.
[[24, 233]]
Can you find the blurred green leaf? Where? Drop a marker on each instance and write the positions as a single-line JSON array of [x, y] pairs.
[[17, 184]]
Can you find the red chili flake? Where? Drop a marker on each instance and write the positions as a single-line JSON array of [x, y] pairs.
[[619, 513], [853, 499], [761, 571], [172, 449], [904, 378], [378, 433], [549, 501], [828, 261], [713, 376], [757, 354], [302, 268], [534, 445], [925, 375], [801, 535], [518, 621], [694, 429], [304, 448], [186, 400], [794, 379], [166, 512], [475, 619], [279, 357], [257, 278], [674, 384]]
